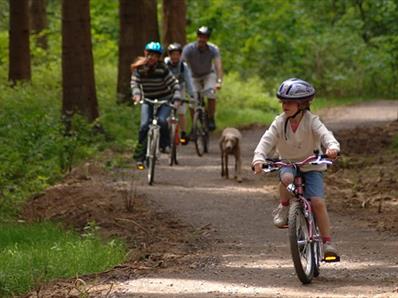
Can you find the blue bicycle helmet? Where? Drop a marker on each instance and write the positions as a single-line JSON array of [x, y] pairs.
[[155, 47]]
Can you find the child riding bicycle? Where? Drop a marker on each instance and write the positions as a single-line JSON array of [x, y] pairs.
[[294, 135], [152, 78]]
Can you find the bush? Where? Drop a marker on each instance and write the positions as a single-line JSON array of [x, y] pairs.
[[242, 103]]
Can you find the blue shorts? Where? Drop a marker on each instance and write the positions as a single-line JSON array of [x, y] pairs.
[[313, 182]]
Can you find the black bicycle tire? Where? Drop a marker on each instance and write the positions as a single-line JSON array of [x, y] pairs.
[[295, 213], [206, 138], [152, 160], [173, 145], [316, 246], [197, 131]]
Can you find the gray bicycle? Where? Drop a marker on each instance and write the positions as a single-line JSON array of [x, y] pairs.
[[153, 139], [200, 128]]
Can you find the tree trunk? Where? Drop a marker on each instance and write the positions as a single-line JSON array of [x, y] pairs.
[[174, 21], [78, 94], [39, 22], [131, 43], [19, 50], [133, 14], [151, 20]]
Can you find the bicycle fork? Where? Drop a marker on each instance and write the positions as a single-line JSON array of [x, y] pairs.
[[153, 135]]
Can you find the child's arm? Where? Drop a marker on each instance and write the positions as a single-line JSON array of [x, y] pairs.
[[327, 138], [265, 147]]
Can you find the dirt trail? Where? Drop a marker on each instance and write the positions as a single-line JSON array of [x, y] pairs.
[[243, 255], [249, 257]]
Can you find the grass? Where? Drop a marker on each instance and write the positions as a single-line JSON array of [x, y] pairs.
[[33, 254]]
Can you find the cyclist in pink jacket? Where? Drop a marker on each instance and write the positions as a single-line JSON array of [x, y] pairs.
[[293, 136]]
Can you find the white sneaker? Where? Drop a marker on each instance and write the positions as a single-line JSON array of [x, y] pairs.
[[329, 250], [281, 214]]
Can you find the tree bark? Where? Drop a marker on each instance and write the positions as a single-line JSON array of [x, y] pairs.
[[138, 25], [174, 21], [39, 22], [151, 20], [131, 42], [19, 47], [78, 94]]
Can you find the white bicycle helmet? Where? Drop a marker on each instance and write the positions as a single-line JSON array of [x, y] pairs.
[[295, 89]]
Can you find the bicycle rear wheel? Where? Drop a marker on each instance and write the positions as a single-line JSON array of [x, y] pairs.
[[173, 144], [152, 145], [199, 135], [300, 244]]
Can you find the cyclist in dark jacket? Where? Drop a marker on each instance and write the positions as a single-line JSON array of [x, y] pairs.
[[152, 79], [181, 71]]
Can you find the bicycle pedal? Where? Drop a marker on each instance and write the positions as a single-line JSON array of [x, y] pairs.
[[141, 167], [331, 259]]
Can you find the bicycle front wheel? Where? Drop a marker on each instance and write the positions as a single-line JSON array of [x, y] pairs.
[[152, 145], [316, 247], [301, 247], [199, 134], [173, 144]]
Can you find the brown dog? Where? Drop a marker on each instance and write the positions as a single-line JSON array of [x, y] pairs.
[[230, 145]]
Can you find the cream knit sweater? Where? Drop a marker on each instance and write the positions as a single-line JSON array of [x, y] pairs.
[[298, 145]]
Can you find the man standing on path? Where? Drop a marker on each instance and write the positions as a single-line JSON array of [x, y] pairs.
[[204, 61]]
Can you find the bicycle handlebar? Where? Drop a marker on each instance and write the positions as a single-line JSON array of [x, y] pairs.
[[276, 164]]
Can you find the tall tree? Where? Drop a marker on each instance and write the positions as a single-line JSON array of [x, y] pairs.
[[151, 20], [38, 21], [19, 51], [174, 21], [138, 25], [78, 94], [131, 42]]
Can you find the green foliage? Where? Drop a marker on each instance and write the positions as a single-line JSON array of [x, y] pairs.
[[242, 103], [34, 153], [105, 29], [34, 254], [346, 48]]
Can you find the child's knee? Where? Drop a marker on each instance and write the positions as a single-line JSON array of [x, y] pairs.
[[287, 178]]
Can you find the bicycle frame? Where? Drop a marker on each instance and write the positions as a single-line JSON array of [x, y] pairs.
[[298, 193], [200, 130], [152, 150], [154, 128]]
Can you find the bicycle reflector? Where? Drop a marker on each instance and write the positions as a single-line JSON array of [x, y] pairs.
[[331, 259]]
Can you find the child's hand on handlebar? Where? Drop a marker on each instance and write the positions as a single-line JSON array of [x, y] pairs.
[[332, 153], [258, 168], [136, 98]]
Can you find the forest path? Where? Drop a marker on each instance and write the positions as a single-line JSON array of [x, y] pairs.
[[248, 256]]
